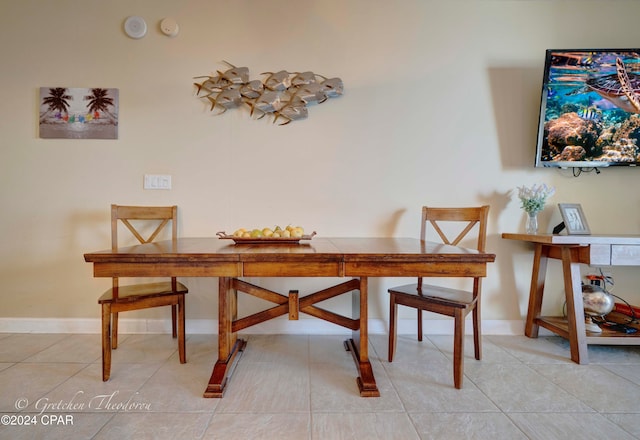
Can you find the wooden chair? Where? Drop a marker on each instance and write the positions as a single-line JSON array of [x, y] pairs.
[[446, 301], [141, 296]]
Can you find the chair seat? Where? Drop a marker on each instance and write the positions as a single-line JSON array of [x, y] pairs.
[[149, 290], [437, 294]]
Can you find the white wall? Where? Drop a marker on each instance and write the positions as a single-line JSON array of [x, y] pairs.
[[440, 108]]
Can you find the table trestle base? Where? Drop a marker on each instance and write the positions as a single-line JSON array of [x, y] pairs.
[[222, 370], [292, 305]]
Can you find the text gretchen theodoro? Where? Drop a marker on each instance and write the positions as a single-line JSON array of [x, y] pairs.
[[80, 402]]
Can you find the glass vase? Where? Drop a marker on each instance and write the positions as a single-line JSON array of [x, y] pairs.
[[532, 222]]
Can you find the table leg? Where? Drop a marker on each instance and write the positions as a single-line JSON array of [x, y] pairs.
[[575, 309], [228, 343], [539, 273], [358, 345]]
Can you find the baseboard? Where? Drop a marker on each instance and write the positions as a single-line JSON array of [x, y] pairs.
[[275, 326]]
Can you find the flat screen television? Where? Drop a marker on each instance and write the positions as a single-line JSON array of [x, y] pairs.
[[590, 109]]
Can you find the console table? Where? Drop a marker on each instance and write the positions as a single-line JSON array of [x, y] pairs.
[[573, 250]]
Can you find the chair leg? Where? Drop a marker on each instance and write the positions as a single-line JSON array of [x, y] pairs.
[[477, 333], [181, 333], [114, 331], [458, 348], [393, 313], [419, 324], [174, 329], [106, 342]]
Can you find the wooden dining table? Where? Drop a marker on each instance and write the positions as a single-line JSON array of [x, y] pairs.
[[354, 258]]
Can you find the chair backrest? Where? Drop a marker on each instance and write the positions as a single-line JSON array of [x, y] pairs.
[[137, 219], [465, 220], [467, 217]]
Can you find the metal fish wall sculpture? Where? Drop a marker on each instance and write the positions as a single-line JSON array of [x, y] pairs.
[[283, 94]]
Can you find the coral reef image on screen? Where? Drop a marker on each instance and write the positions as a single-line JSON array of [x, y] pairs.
[[590, 108]]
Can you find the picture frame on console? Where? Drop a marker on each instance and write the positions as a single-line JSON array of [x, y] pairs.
[[574, 219]]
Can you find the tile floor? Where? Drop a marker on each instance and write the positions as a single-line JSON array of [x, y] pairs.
[[303, 387]]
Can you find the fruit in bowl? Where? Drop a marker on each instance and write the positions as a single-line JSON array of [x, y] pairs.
[[297, 232], [276, 232]]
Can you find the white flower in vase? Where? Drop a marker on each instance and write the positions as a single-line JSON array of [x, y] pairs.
[[532, 201]]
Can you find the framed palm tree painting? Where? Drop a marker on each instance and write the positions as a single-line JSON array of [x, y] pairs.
[[77, 113]]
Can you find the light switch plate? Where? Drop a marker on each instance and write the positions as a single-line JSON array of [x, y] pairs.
[[157, 181]]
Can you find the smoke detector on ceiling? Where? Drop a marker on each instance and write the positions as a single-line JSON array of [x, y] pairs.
[[169, 27], [135, 27]]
